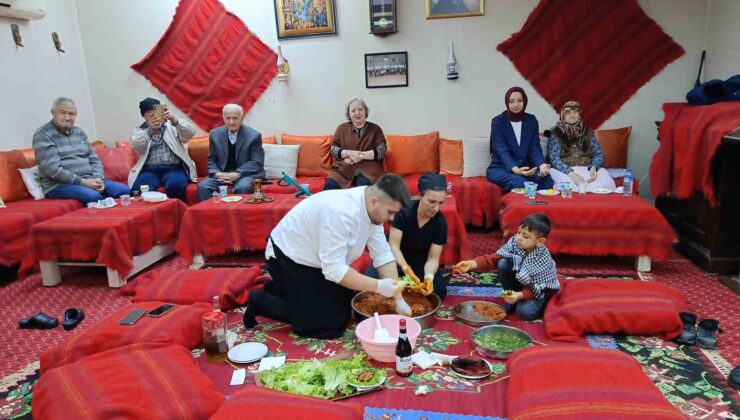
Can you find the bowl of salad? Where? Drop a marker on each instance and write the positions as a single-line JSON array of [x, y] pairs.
[[499, 341]]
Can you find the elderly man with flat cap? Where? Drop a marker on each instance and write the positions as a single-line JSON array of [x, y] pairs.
[[163, 157], [418, 233]]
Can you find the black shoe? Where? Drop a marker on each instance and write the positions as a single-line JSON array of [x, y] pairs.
[[72, 317], [707, 335], [39, 321], [688, 335], [734, 378]]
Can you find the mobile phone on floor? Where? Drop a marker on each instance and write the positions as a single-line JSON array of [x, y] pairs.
[[132, 317], [161, 310], [536, 202]]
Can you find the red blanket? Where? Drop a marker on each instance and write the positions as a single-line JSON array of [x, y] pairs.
[[689, 137], [208, 58], [596, 52], [596, 224], [16, 221], [110, 237]]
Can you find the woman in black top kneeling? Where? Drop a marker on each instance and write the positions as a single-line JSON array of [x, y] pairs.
[[418, 233]]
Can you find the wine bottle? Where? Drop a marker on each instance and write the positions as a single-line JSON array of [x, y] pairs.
[[403, 352]]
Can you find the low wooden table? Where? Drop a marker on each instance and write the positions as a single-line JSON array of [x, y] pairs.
[[592, 224], [210, 229], [124, 239]]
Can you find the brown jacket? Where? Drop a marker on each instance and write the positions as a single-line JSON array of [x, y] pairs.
[[372, 139]]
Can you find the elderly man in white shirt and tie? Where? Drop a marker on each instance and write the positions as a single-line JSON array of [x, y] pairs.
[[309, 253]]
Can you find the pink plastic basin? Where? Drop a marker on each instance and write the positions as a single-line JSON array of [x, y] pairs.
[[385, 352]]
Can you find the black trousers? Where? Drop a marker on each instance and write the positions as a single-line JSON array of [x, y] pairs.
[[302, 296]]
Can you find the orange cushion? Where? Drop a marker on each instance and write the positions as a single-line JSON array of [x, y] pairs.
[[181, 325], [264, 403], [97, 145], [412, 154], [615, 144], [198, 151], [12, 187], [269, 140], [117, 162], [450, 157], [141, 381], [314, 155], [30, 157]]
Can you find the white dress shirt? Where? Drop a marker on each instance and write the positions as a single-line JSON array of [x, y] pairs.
[[517, 126], [329, 230], [233, 137]]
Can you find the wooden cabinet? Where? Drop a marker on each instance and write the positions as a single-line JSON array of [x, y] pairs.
[[710, 236]]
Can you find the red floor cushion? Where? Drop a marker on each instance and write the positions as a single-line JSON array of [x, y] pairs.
[[566, 382], [231, 285], [181, 325], [613, 307], [265, 403], [140, 381]]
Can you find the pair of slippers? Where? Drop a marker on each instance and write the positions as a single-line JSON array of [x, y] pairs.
[[42, 321]]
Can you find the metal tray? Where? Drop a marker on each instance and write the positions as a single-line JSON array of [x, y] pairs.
[[465, 313]]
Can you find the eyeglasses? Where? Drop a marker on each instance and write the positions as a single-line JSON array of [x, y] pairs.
[[571, 111]]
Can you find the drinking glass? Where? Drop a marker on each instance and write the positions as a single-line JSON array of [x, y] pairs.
[[125, 200]]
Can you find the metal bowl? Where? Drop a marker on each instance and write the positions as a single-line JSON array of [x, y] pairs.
[[497, 354], [465, 313], [426, 320]]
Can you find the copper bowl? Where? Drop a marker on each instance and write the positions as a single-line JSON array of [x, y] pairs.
[[426, 320]]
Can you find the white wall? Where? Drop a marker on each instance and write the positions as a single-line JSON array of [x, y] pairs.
[[32, 76], [723, 48]]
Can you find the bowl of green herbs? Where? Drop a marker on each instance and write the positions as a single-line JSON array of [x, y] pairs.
[[499, 341]]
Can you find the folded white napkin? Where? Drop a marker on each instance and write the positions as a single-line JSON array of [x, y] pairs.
[[267, 363], [426, 360]]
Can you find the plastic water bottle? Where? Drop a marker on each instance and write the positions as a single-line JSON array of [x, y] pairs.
[[449, 189], [627, 185]]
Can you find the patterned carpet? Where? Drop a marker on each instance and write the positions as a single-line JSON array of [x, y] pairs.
[[694, 380]]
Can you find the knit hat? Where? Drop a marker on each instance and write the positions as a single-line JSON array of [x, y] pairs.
[[147, 105]]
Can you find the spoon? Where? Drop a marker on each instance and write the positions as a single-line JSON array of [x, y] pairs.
[[381, 334]]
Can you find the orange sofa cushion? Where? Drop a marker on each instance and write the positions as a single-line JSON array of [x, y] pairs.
[[412, 154], [12, 187], [30, 156], [314, 155], [141, 381], [269, 140], [117, 162], [615, 145], [450, 157]]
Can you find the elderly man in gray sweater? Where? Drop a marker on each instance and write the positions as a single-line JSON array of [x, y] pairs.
[[68, 166]]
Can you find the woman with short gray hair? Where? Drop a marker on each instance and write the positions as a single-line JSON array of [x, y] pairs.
[[358, 149]]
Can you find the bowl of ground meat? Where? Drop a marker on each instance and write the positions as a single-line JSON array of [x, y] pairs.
[[423, 308], [478, 313]]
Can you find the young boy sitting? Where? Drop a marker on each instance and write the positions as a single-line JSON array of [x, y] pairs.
[[524, 266]]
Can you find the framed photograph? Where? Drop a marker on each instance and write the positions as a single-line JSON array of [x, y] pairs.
[[454, 8], [384, 70], [305, 18]]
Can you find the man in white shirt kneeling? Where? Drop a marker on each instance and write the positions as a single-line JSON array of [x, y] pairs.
[[309, 253]]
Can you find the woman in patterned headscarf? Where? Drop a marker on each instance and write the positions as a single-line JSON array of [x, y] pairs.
[[574, 152]]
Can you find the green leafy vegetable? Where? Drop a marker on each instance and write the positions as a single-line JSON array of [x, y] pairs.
[[500, 341], [366, 377], [324, 379], [405, 281]]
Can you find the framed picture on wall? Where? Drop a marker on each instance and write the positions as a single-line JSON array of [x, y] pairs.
[[305, 18], [384, 70], [454, 8]]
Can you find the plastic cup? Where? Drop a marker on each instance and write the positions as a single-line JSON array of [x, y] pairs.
[[144, 188], [125, 200], [216, 196], [530, 189], [222, 189], [582, 188]]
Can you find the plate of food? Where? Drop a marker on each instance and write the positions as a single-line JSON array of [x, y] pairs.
[[519, 191], [366, 378], [601, 191], [551, 192], [471, 367], [478, 313], [153, 196], [499, 341], [231, 198]]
